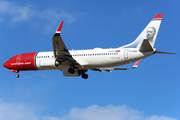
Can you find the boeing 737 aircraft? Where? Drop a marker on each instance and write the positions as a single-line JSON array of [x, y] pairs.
[[78, 62]]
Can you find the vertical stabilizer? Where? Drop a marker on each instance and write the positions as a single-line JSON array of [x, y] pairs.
[[149, 33]]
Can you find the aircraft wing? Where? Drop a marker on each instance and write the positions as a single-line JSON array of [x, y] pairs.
[[60, 51], [110, 68]]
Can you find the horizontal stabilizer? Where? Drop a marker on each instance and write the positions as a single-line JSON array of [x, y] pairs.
[[145, 46], [136, 64], [164, 52]]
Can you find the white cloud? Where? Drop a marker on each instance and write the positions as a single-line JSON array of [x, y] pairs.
[[10, 111], [51, 14], [51, 17], [109, 112], [17, 13], [13, 12]]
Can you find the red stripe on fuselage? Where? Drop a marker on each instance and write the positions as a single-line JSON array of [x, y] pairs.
[[22, 62]]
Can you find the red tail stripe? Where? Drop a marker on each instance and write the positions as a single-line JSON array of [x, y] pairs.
[[158, 16]]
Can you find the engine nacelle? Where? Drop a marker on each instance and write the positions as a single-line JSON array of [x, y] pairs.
[[48, 63], [76, 73]]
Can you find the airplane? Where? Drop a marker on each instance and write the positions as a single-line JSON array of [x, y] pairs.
[[77, 62]]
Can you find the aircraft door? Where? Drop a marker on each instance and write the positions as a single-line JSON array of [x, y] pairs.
[[126, 54]]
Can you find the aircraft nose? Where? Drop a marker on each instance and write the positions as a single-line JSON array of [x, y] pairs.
[[5, 64]]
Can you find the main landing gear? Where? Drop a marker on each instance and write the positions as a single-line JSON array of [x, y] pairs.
[[85, 76], [71, 70], [80, 72]]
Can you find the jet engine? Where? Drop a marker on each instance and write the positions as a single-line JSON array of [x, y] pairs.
[[49, 63]]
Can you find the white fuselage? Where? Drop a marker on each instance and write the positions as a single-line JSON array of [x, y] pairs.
[[95, 58]]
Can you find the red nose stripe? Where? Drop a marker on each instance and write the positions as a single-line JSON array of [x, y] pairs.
[[22, 62]]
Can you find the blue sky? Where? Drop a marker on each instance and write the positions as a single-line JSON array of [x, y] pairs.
[[150, 92]]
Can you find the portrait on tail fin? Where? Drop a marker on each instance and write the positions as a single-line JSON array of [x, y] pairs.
[[151, 31]]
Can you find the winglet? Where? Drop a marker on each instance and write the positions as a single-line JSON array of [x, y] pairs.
[[158, 16], [136, 64], [58, 31]]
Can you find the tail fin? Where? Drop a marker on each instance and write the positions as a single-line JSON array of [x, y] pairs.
[[149, 33]]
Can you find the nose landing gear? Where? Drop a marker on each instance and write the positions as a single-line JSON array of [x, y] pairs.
[[17, 75]]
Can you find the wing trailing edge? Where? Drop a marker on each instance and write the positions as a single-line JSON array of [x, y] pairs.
[[110, 68]]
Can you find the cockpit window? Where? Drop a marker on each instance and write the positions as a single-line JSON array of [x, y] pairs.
[[10, 58]]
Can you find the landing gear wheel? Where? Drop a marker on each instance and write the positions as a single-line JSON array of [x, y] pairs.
[[71, 70], [17, 75], [85, 76]]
